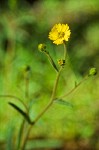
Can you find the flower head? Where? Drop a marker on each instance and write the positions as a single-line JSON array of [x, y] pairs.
[[59, 33]]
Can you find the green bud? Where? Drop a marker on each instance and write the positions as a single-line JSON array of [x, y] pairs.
[[42, 47], [92, 71], [61, 62]]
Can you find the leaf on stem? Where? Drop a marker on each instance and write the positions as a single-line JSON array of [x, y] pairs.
[[51, 60], [63, 102], [53, 63], [24, 114], [42, 48]]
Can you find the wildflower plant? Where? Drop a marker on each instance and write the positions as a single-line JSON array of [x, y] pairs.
[[59, 34]]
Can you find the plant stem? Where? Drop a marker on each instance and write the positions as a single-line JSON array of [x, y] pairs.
[[20, 134], [65, 51], [72, 90], [45, 109], [22, 127], [52, 96], [27, 88]]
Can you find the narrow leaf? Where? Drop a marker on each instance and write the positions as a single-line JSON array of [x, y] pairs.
[[63, 102], [24, 114], [51, 61]]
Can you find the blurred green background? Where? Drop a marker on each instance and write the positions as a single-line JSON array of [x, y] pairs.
[[23, 25]]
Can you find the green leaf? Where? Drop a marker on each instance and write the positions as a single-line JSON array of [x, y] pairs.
[[51, 60], [24, 114], [63, 102], [53, 63]]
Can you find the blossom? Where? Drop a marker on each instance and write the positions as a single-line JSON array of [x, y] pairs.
[[59, 33]]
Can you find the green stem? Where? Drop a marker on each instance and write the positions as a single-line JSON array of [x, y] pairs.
[[27, 88], [27, 82], [22, 128], [45, 109], [20, 134], [65, 51], [52, 96], [72, 90]]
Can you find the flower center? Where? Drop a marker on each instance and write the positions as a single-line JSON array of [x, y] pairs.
[[61, 34]]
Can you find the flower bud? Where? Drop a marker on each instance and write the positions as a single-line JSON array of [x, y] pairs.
[[61, 62], [42, 47], [92, 71]]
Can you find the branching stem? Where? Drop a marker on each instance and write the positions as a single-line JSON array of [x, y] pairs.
[[73, 89], [45, 109], [52, 96]]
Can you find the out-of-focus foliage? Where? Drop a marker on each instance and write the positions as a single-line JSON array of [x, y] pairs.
[[25, 24]]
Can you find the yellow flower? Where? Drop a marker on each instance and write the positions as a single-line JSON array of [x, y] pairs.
[[59, 33]]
